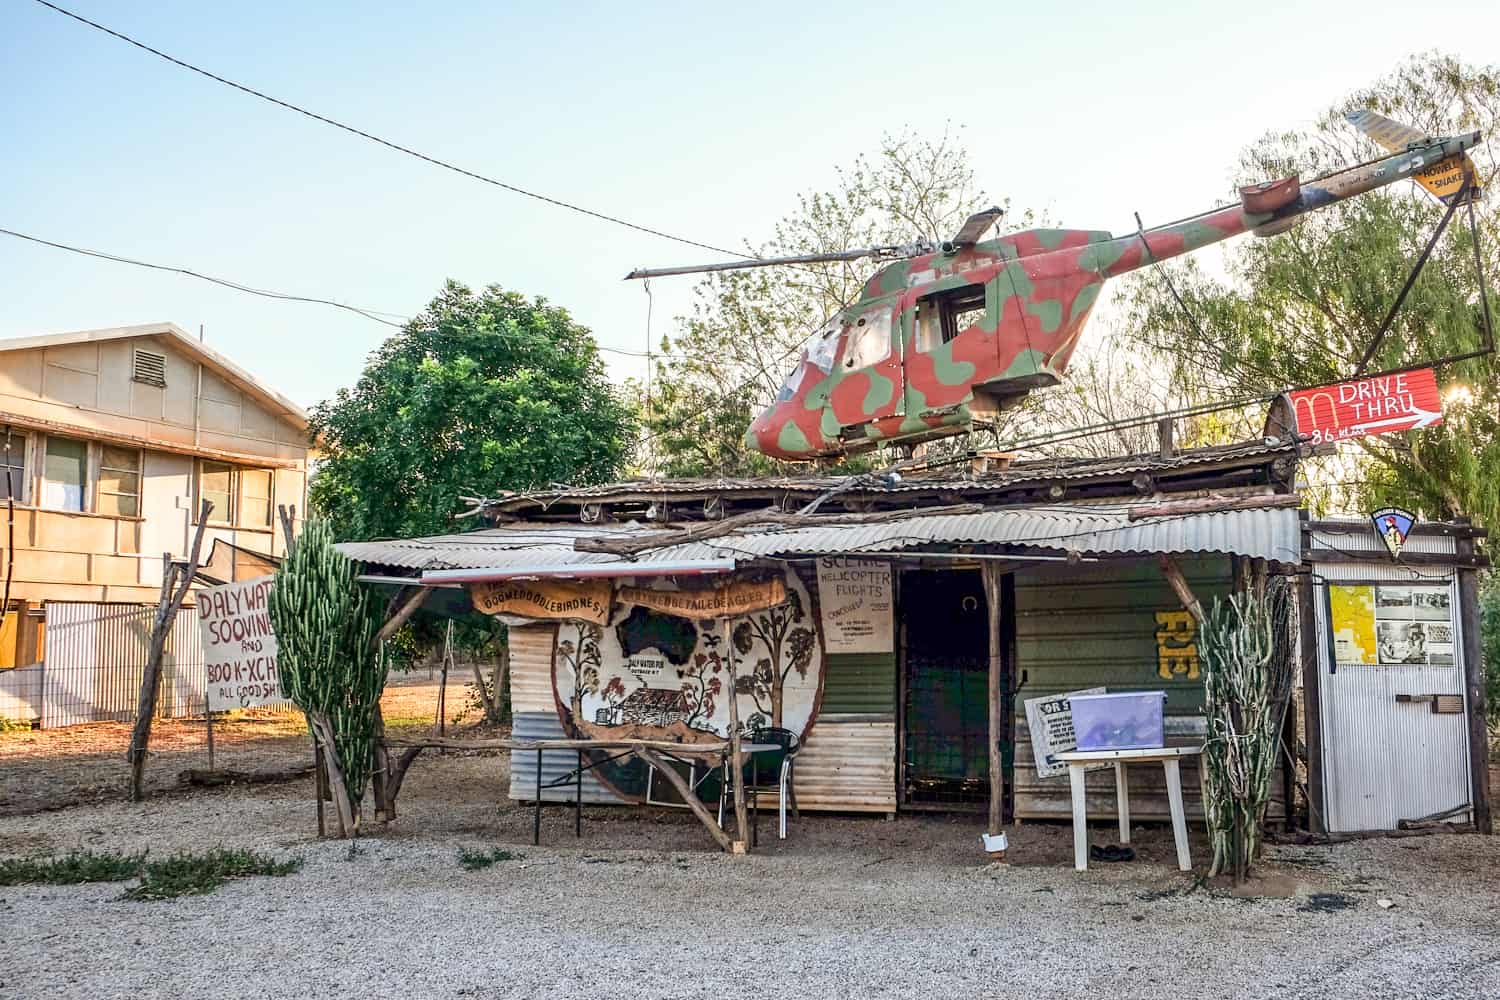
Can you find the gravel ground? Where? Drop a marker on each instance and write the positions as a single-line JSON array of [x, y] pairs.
[[641, 907]]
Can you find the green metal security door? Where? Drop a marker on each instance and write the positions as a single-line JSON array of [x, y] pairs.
[[945, 718]]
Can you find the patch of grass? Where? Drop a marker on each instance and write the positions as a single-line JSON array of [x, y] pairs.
[[73, 868], [9, 725], [187, 874], [474, 861]]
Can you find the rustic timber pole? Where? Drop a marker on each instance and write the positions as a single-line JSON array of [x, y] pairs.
[[652, 758], [993, 578], [172, 596], [736, 757], [1180, 587]]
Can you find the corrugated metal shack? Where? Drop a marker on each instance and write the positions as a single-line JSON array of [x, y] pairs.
[[1085, 604]]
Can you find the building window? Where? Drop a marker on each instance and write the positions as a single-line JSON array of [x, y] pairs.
[[216, 485], [64, 474], [255, 498], [12, 466], [119, 481], [241, 497]]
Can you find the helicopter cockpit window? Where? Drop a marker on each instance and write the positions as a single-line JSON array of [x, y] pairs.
[[819, 349], [869, 339], [944, 316]]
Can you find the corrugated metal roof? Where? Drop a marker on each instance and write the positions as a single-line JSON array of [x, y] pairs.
[[1262, 533]]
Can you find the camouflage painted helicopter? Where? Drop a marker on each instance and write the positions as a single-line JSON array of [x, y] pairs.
[[946, 335]]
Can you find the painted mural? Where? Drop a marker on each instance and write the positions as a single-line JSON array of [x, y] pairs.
[[650, 675]]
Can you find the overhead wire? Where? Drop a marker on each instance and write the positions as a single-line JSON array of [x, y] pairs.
[[375, 315], [389, 144]]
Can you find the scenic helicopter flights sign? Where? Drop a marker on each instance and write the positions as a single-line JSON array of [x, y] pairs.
[[1380, 404]]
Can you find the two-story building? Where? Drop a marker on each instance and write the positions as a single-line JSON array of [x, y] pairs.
[[108, 441]]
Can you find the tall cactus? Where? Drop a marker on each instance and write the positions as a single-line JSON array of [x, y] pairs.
[[325, 622]]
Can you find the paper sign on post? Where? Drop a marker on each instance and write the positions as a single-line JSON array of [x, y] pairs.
[[239, 647], [854, 596]]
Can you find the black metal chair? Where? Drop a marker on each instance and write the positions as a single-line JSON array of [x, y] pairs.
[[774, 771]]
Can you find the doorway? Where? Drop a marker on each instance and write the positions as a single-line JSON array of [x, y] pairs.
[[944, 755]]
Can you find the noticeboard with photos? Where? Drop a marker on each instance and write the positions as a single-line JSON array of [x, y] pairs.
[[1391, 625]]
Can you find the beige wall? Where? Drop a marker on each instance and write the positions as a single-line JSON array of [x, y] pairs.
[[85, 391]]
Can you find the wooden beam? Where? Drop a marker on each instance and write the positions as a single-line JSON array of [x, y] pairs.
[[736, 756], [172, 596], [1474, 684], [992, 592], [716, 748], [1164, 438], [399, 618], [1312, 706], [688, 795], [1180, 587], [1472, 560], [1214, 505]]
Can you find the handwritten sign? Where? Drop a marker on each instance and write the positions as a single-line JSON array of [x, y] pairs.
[[1367, 406], [738, 598], [854, 598], [580, 600], [1050, 720], [239, 648]]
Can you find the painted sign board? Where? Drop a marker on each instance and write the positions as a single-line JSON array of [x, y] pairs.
[[1381, 404], [239, 647], [1393, 524], [1390, 625], [1050, 720], [854, 599], [580, 600], [728, 601]]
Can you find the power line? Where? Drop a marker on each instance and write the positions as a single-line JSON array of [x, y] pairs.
[[371, 314], [435, 161]]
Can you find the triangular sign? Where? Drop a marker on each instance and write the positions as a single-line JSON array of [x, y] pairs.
[[1393, 524]]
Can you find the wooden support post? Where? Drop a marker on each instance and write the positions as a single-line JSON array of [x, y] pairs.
[[1180, 587], [674, 779], [287, 515], [737, 759], [320, 782], [1164, 437], [1312, 707], [172, 595], [1473, 658], [399, 618], [992, 592]]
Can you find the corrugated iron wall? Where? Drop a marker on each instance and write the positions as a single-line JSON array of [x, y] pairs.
[[848, 764], [95, 656], [1093, 626]]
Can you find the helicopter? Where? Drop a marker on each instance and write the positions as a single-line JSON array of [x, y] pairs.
[[947, 335]]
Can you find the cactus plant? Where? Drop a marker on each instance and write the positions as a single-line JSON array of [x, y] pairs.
[[330, 667]]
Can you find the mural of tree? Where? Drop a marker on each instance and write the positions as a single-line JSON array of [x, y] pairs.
[[788, 645], [583, 659], [702, 683]]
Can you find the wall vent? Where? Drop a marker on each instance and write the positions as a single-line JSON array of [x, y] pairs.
[[150, 368]]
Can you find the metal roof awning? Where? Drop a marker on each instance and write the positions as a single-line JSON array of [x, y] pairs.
[[547, 550]]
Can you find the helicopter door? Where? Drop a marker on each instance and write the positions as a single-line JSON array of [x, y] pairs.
[[955, 346], [867, 384]]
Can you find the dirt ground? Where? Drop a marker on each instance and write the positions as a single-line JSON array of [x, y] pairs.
[[643, 906], [46, 769]]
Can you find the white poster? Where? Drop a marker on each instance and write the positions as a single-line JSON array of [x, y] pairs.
[[854, 596], [1050, 720], [239, 648]]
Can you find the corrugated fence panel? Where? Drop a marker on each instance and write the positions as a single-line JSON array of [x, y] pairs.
[[531, 669], [859, 683], [96, 654], [555, 764], [848, 764], [21, 693]]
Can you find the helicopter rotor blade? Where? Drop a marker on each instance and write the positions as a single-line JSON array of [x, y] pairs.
[[874, 253], [976, 226]]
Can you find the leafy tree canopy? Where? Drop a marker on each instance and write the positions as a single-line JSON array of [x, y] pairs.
[[1300, 308], [480, 393]]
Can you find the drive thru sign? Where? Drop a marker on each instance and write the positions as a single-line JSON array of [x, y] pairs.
[[1377, 405]]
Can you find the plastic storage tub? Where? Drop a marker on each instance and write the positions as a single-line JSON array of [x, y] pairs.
[[1124, 720]]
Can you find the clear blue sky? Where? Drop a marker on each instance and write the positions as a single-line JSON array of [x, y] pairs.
[[700, 119]]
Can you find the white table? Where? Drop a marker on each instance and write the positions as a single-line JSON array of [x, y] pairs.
[[1168, 757]]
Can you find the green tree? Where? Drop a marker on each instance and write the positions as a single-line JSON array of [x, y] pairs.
[[480, 393], [732, 351], [1489, 627], [1300, 308]]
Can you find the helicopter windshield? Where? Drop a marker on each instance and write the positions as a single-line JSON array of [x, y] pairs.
[[819, 349]]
